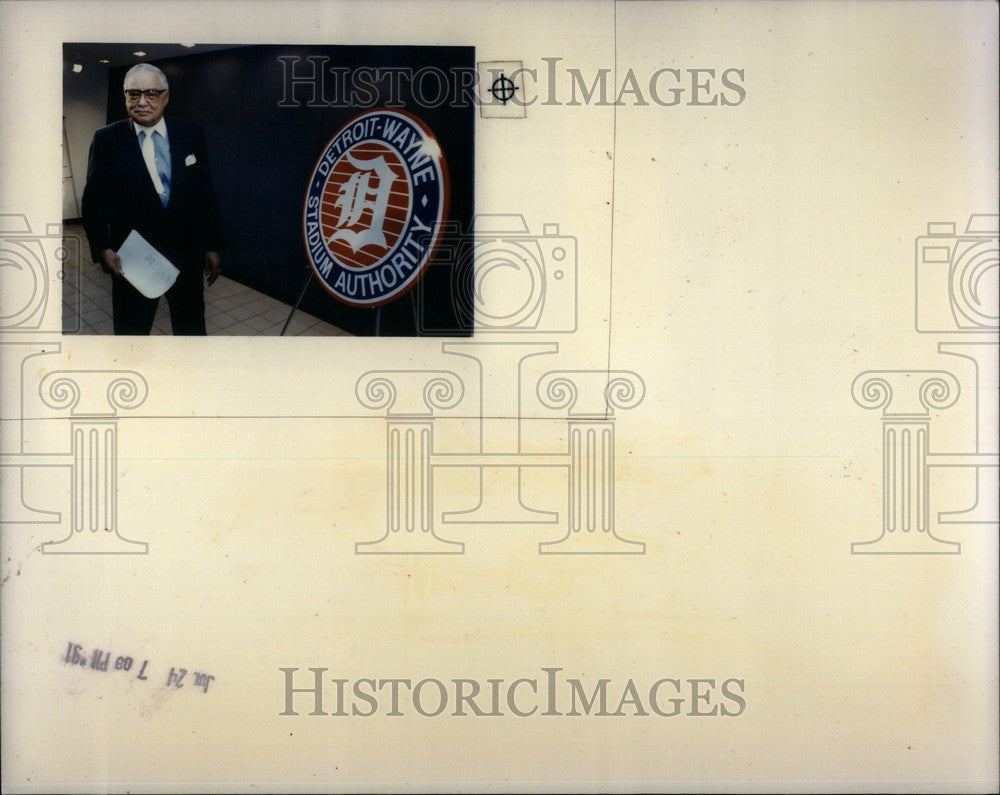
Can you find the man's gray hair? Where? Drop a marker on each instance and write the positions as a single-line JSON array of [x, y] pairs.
[[145, 67]]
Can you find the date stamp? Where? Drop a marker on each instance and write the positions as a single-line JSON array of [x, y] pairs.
[[100, 660]]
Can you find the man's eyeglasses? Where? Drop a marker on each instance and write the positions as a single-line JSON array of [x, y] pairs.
[[151, 94]]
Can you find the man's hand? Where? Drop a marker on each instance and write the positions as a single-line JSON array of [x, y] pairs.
[[213, 266], [112, 261]]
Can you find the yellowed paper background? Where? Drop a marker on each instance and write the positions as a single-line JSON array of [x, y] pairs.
[[746, 263]]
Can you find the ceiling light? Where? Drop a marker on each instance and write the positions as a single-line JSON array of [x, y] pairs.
[[103, 60], [77, 68], [187, 45], [138, 53]]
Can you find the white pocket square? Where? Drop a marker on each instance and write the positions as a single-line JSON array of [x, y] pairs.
[[190, 160]]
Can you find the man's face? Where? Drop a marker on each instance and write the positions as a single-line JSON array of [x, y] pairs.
[[145, 110]]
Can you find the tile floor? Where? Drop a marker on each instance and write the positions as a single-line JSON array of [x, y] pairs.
[[231, 309]]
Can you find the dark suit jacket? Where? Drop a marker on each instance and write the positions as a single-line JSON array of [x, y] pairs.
[[119, 195]]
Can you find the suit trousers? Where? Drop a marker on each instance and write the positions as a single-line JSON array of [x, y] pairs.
[[134, 313]]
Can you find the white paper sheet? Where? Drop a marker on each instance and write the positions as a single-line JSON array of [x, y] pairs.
[[147, 269]]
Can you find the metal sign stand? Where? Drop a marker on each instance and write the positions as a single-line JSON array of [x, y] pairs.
[[302, 294]]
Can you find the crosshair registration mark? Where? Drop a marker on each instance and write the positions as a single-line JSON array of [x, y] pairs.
[[503, 89]]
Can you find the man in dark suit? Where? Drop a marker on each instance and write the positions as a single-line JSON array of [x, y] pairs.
[[151, 175]]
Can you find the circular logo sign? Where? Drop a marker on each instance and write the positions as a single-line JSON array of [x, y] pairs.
[[375, 207]]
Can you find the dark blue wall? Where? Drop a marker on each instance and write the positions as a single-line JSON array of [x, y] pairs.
[[262, 156]]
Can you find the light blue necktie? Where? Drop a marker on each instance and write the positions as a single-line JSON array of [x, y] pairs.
[[162, 152]]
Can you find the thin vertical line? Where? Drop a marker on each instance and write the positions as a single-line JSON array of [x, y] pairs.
[[885, 478], [891, 480], [95, 485], [975, 398], [78, 479], [410, 475], [614, 166], [574, 478], [425, 476], [107, 479], [113, 479], [921, 479], [605, 480], [591, 479], [905, 485], [393, 490]]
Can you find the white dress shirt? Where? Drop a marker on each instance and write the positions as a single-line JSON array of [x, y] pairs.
[[149, 153]]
